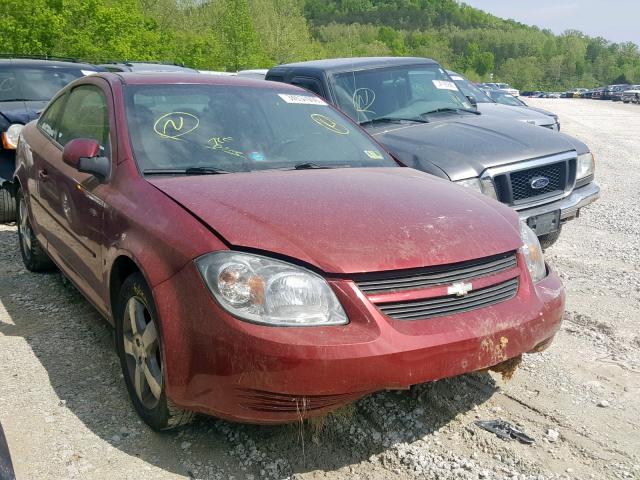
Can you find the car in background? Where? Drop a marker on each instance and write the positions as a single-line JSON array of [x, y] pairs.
[[505, 87], [145, 67], [261, 257], [610, 90], [631, 95], [518, 110], [417, 112], [26, 85], [597, 93], [575, 92]]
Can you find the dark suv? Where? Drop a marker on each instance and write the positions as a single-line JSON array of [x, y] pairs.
[[26, 86]]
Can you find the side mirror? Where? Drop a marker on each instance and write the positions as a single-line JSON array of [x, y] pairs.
[[472, 100], [84, 155]]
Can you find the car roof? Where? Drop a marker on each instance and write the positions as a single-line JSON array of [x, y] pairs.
[[148, 67], [356, 63], [30, 62], [177, 78]]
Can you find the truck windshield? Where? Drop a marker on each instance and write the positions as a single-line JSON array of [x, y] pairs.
[[208, 129], [469, 89], [33, 83], [403, 92]]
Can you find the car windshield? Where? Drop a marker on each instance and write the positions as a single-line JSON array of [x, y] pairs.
[[470, 90], [224, 129], [506, 99], [402, 93], [34, 83]]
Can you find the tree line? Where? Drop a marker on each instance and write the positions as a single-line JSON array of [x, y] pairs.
[[235, 34]]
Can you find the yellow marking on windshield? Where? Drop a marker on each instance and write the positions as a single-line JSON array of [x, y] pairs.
[[329, 124], [218, 143], [363, 99], [174, 125]]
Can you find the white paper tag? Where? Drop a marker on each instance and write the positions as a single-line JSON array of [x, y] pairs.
[[301, 99], [456, 77], [444, 85]]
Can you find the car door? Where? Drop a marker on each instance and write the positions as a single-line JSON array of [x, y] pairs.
[[73, 199]]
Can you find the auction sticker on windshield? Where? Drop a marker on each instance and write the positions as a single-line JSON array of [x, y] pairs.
[[302, 99], [444, 85]]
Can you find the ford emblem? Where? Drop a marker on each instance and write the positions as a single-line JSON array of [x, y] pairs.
[[538, 183]]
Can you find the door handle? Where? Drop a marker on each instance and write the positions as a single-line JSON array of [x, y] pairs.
[[43, 175]]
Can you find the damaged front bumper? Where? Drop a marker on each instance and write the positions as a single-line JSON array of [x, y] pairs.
[[219, 365]]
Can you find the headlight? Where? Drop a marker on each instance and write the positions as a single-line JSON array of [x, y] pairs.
[[532, 252], [482, 185], [586, 166], [10, 137], [263, 290]]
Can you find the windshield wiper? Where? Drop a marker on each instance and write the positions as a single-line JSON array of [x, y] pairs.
[[310, 166], [452, 109], [393, 120], [185, 171], [22, 100]]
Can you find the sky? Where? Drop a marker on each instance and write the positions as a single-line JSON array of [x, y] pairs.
[[617, 21]]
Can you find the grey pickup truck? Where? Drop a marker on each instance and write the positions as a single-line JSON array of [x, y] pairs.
[[413, 108]]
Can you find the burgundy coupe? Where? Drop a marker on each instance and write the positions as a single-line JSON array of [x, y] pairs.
[[263, 259]]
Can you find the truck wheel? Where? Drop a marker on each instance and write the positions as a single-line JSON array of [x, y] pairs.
[[139, 346], [549, 239], [34, 257], [7, 206]]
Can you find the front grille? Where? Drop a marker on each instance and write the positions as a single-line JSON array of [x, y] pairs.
[[514, 187], [521, 181], [416, 279], [264, 401], [451, 304]]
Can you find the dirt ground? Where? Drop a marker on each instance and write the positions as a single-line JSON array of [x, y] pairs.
[[66, 414]]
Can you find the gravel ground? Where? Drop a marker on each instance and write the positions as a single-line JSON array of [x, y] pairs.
[[65, 411]]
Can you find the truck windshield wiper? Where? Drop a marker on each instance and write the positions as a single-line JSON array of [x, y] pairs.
[[393, 120], [451, 109], [185, 171]]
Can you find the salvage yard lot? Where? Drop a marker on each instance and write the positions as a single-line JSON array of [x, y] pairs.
[[66, 414]]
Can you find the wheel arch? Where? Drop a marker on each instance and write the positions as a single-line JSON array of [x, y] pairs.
[[122, 267]]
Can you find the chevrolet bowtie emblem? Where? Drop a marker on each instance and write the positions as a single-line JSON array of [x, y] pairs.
[[459, 289]]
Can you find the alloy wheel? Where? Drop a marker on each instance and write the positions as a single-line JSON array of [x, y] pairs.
[[25, 228], [142, 352]]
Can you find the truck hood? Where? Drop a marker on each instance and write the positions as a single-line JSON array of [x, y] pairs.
[[522, 114], [20, 111], [349, 220], [464, 145]]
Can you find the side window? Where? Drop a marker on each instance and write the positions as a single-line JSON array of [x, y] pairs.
[[86, 116], [49, 120], [309, 84]]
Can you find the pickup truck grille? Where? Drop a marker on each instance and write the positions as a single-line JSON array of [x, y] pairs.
[[521, 181], [451, 304], [515, 187], [439, 275]]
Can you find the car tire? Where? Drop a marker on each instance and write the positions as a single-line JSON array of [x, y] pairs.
[[139, 346], [34, 257], [549, 239], [7, 205]]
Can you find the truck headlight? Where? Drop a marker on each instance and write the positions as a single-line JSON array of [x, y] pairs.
[[11, 136], [482, 185], [586, 165], [270, 292], [532, 252]]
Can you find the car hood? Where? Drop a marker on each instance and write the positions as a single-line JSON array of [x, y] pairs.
[[542, 111], [349, 220], [464, 145], [522, 114], [21, 112]]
